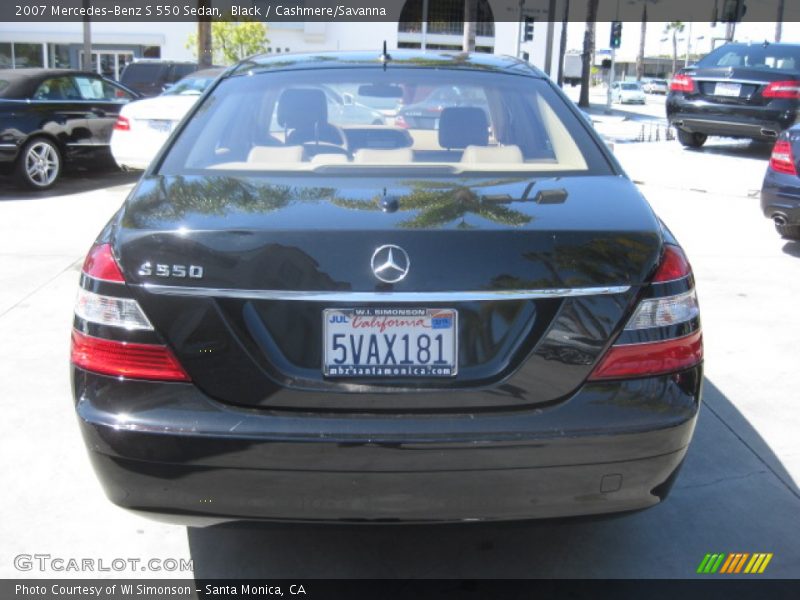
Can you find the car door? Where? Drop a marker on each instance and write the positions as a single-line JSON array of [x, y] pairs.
[[56, 107], [102, 101]]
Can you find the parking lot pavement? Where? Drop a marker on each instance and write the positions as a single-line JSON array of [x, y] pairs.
[[736, 492]]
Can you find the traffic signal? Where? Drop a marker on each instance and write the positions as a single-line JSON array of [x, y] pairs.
[[616, 34], [733, 11], [528, 33]]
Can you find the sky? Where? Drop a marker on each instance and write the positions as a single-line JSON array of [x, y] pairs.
[[757, 32]]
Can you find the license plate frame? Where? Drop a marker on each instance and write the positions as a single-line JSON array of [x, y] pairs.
[[160, 125], [365, 322], [728, 90]]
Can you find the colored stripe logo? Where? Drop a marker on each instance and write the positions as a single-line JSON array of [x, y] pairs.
[[734, 562]]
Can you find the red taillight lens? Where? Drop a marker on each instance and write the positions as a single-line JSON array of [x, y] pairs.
[[125, 359], [682, 83], [399, 121], [674, 265], [642, 360], [122, 124], [782, 159], [783, 89], [100, 264]]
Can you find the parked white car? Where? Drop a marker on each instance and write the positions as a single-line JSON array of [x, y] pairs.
[[142, 127], [627, 92]]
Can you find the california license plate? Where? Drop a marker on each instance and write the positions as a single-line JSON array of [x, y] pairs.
[[161, 125], [727, 89], [390, 342]]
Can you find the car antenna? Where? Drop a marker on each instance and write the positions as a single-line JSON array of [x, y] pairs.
[[385, 56]]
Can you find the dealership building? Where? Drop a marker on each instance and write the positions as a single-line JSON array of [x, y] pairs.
[[429, 24]]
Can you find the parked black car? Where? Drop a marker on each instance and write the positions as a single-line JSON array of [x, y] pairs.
[[780, 192], [738, 90], [152, 76], [490, 323], [49, 116]]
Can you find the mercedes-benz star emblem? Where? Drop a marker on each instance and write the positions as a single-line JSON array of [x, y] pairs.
[[390, 263]]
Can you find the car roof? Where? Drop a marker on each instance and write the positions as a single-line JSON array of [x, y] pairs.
[[23, 82], [475, 61]]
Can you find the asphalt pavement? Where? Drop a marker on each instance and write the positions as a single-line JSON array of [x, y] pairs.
[[737, 491]]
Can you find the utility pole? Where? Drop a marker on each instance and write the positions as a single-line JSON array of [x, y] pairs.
[[519, 29], [204, 52], [563, 47], [688, 45], [548, 53], [779, 21], [470, 14], [87, 39]]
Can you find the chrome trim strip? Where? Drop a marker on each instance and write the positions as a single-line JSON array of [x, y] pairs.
[[382, 297], [723, 80]]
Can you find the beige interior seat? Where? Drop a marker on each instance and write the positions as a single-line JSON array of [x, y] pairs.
[[329, 159], [476, 155], [384, 157], [275, 154]]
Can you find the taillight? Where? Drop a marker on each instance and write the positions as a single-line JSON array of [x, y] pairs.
[[782, 158], [106, 319], [100, 264], [399, 121], [125, 359], [682, 83], [782, 89], [122, 124], [663, 335]]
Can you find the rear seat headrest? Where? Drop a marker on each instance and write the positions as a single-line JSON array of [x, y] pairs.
[[275, 154], [462, 126], [302, 107]]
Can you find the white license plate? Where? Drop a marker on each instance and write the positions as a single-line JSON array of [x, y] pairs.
[[390, 342], [161, 125], [727, 89]]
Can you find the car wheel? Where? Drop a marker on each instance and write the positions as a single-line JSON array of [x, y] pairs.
[[39, 164], [789, 232], [691, 140]]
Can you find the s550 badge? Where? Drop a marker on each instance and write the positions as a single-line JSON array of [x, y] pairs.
[[165, 270]]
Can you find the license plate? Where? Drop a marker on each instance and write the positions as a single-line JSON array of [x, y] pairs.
[[161, 125], [727, 89], [390, 342]]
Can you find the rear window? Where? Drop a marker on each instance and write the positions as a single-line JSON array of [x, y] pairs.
[[630, 86], [771, 56], [453, 121], [142, 73]]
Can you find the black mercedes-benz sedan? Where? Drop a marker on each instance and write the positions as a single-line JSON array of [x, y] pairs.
[[49, 116], [292, 319], [780, 192], [738, 90]]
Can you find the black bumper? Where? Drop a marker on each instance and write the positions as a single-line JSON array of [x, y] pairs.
[[171, 452], [756, 122]]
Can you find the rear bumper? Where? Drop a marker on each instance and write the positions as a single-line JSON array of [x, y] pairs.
[[755, 122], [171, 452], [780, 196]]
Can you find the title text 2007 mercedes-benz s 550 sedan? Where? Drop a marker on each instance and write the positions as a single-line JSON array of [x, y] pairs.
[[297, 318]]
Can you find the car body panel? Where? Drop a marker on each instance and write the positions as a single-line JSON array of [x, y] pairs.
[[780, 192]]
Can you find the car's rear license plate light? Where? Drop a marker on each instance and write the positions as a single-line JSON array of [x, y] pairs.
[[390, 342]]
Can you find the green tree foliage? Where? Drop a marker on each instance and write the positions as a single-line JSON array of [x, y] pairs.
[[232, 41]]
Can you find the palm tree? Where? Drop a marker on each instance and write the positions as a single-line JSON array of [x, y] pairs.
[[562, 48], [642, 38], [779, 21], [204, 57], [675, 27], [588, 51]]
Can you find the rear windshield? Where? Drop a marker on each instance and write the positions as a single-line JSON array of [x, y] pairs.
[[452, 121], [190, 86], [142, 73], [771, 56], [630, 86]]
